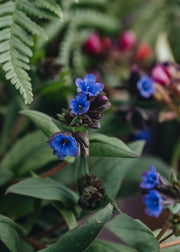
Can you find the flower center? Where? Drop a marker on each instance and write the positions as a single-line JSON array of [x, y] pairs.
[[65, 141], [80, 107]]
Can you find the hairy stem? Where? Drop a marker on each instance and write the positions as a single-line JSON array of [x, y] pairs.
[[163, 231]]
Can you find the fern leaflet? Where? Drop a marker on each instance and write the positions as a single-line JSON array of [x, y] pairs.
[[16, 41]]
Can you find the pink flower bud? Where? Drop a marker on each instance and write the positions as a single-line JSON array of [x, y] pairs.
[[161, 75], [144, 51], [93, 44], [127, 40]]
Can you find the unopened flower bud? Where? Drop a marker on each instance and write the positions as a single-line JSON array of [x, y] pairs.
[[160, 75], [93, 44], [144, 51], [127, 40]]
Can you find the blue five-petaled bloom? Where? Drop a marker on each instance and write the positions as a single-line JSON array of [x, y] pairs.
[[64, 145], [89, 86], [153, 202], [150, 178], [146, 86], [79, 105]]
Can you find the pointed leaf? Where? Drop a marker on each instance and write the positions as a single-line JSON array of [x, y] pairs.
[[104, 146], [42, 121], [44, 188], [80, 238]]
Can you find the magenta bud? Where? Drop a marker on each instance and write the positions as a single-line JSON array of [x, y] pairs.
[[93, 44], [161, 75], [127, 40]]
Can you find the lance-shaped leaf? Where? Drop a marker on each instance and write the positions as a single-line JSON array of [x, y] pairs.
[[44, 188], [134, 233], [104, 146], [79, 239], [42, 121]]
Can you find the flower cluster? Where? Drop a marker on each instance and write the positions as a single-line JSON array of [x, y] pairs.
[[90, 103], [158, 192], [84, 110]]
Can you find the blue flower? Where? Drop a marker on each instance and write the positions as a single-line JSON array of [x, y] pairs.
[[153, 202], [150, 178], [79, 105], [89, 85], [146, 86], [63, 145]]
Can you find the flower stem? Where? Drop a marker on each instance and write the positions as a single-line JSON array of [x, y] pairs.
[[165, 238], [163, 231], [54, 170], [170, 244]]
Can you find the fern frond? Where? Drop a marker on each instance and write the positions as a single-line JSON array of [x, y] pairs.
[[50, 5], [15, 39], [95, 19], [35, 11], [66, 47]]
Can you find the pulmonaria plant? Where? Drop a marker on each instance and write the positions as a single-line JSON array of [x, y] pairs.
[[84, 110], [158, 192]]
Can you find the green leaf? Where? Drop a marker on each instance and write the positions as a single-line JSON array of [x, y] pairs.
[[77, 240], [9, 234], [104, 146], [113, 170], [42, 121], [5, 176], [134, 233], [105, 246], [67, 214], [44, 188], [28, 154]]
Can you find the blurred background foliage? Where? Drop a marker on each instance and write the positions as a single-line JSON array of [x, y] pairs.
[[54, 66]]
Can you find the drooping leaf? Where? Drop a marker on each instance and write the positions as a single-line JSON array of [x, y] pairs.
[[134, 233], [42, 121], [44, 188], [101, 145], [77, 240]]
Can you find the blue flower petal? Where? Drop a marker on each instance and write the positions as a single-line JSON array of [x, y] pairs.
[[146, 86], [153, 202], [89, 86], [150, 178], [79, 105], [63, 145]]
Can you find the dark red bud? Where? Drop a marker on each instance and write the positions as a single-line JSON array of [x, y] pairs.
[[93, 44]]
